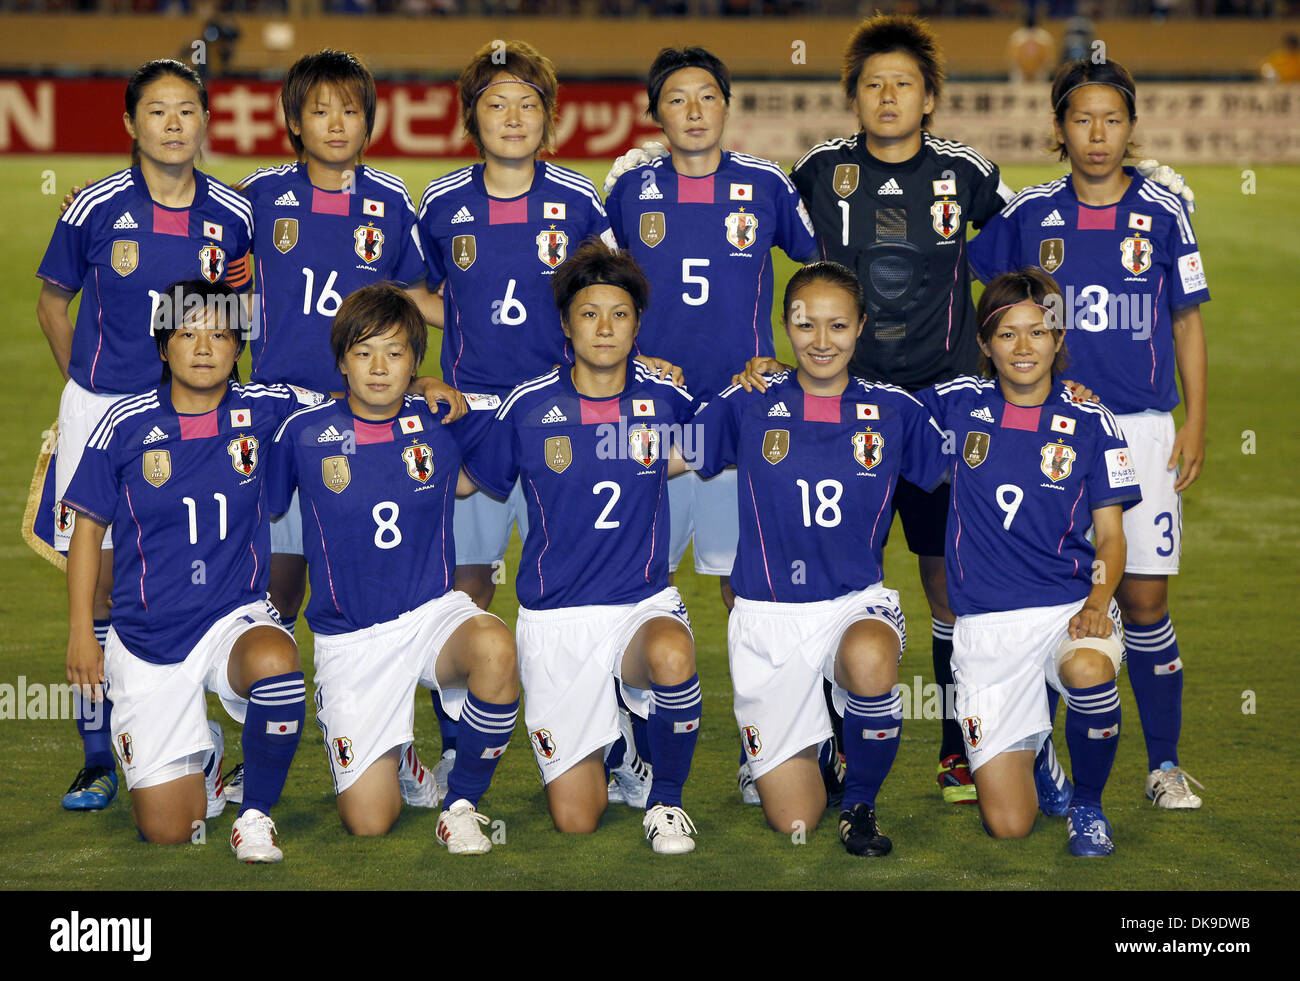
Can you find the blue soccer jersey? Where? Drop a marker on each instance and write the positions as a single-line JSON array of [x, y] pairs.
[[376, 500], [705, 245], [816, 475], [1025, 481], [184, 495], [1124, 271], [496, 258], [312, 249], [120, 250], [594, 475]]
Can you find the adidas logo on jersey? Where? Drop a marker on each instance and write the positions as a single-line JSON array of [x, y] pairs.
[[126, 221], [331, 435], [154, 436], [651, 192], [286, 200], [982, 414], [1053, 219], [778, 410], [890, 187], [555, 415], [461, 216]]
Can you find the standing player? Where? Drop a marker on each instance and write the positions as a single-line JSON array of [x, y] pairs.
[[818, 454], [590, 446], [1033, 595], [1123, 248], [119, 245], [377, 478], [178, 470]]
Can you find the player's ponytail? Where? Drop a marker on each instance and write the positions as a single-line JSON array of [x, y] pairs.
[[1024, 286], [150, 72]]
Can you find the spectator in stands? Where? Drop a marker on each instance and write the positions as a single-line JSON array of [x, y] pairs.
[[1283, 65], [1029, 50]]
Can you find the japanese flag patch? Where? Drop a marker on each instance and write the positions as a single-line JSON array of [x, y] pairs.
[[868, 411], [375, 209], [553, 210], [742, 192], [1120, 469], [643, 407], [241, 418], [411, 424], [1192, 272], [1063, 424], [212, 230], [1141, 223], [942, 188]]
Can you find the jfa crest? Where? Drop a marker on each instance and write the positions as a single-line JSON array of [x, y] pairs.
[[343, 751], [1136, 254], [157, 467], [552, 247], [845, 181], [419, 462], [644, 446], [970, 728], [753, 745], [947, 217], [64, 517], [126, 257], [741, 227], [212, 262], [543, 743], [124, 745], [243, 454], [368, 242], [1051, 253], [776, 444], [867, 447], [1057, 461], [653, 228]]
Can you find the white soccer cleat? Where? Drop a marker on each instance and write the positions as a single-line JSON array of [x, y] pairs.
[[419, 788], [1167, 787], [212, 772], [252, 839], [748, 789], [458, 829], [232, 785], [669, 830], [638, 156], [629, 782], [442, 771]]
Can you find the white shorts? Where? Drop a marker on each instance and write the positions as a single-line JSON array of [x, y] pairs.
[[79, 413], [365, 682], [1153, 528], [705, 510], [286, 530], [567, 659], [999, 663], [481, 525], [779, 653], [160, 715]]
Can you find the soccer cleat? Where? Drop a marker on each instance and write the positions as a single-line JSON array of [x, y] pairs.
[[629, 782], [418, 786], [955, 781], [669, 830], [748, 789], [860, 833], [458, 829], [93, 790], [1089, 831], [1053, 800], [252, 839], [212, 772], [442, 771], [1166, 787], [232, 785]]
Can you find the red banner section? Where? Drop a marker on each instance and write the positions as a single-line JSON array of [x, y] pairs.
[[596, 119]]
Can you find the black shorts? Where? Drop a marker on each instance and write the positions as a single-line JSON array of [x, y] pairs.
[[925, 517]]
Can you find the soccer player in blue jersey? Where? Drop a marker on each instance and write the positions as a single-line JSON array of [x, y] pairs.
[[819, 454], [178, 471], [119, 245], [590, 445], [1123, 250], [1032, 472], [377, 478]]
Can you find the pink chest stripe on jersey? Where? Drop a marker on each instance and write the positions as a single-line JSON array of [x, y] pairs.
[[372, 432], [330, 202], [821, 408], [199, 427], [1097, 219], [171, 222], [694, 190], [508, 212], [1021, 417], [597, 412]]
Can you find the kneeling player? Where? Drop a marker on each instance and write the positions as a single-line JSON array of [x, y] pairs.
[[818, 454], [590, 447], [179, 471], [1033, 597], [377, 477]]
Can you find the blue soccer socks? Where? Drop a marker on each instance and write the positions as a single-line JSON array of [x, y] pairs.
[[673, 730], [872, 724], [1156, 672], [1092, 719], [484, 731], [447, 727], [273, 722]]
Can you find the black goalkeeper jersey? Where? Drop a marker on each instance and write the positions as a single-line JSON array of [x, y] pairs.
[[902, 228]]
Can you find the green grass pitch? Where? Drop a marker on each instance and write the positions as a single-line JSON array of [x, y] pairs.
[[1230, 607]]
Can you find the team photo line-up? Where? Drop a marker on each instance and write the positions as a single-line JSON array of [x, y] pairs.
[[610, 388]]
